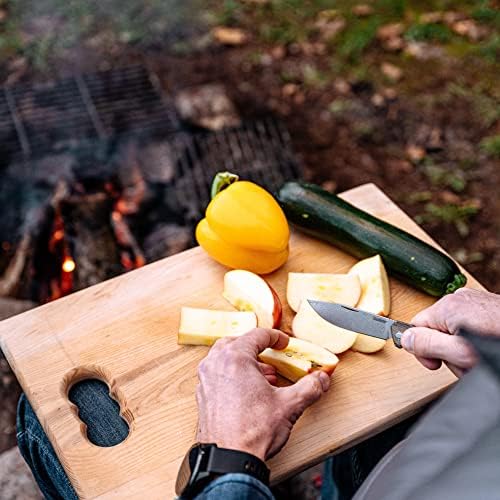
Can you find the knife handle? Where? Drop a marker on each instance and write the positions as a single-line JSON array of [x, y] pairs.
[[397, 330]]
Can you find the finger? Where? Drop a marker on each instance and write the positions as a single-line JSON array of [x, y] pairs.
[[431, 317], [221, 343], [266, 369], [428, 343], [458, 372], [258, 339], [272, 379], [429, 363], [304, 393]]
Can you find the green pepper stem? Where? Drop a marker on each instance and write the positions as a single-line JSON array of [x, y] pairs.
[[221, 181]]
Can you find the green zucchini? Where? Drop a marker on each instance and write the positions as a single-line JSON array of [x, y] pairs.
[[327, 217]]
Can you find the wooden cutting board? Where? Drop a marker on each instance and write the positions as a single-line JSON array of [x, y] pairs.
[[124, 332]]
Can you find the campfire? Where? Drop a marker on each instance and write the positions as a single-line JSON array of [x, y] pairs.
[[81, 210]]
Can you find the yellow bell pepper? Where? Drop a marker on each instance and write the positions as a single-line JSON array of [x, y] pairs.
[[244, 227]]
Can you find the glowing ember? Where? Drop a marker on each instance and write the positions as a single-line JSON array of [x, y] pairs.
[[58, 234], [68, 266]]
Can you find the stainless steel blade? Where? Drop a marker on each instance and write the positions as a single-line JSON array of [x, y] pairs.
[[353, 319]]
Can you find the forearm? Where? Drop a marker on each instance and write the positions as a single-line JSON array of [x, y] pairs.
[[236, 487]]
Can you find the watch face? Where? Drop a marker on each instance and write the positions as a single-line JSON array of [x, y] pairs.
[[184, 474]]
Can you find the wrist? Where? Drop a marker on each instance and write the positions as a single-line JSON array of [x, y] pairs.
[[251, 449], [239, 440], [205, 462]]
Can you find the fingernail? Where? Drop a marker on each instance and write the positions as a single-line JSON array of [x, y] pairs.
[[324, 380], [407, 340]]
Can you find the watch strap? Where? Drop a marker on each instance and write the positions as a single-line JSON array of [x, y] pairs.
[[225, 460], [208, 462]]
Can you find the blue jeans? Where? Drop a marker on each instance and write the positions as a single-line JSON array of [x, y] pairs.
[[105, 428]]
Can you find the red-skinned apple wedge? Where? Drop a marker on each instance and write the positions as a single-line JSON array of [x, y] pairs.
[[341, 288], [299, 358], [375, 298], [204, 326], [309, 325], [249, 292]]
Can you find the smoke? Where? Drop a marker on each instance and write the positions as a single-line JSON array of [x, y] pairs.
[[46, 30]]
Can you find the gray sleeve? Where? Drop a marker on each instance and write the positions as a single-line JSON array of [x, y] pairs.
[[453, 452]]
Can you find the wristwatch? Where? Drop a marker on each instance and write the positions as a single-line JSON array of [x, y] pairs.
[[205, 462]]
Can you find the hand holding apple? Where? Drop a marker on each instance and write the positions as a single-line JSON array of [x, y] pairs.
[[238, 406]]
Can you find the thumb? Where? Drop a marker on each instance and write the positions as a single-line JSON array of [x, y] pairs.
[[432, 344], [304, 393]]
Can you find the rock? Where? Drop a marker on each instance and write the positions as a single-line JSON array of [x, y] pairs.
[[16, 480], [431, 17], [328, 29], [330, 186], [394, 44], [391, 36], [388, 31], [397, 167], [229, 36], [391, 71], [289, 89], [278, 52], [389, 93], [362, 10], [266, 60], [435, 140], [342, 86], [424, 51], [415, 153], [378, 100], [451, 17], [470, 29], [449, 197], [299, 98], [10, 307], [207, 106]]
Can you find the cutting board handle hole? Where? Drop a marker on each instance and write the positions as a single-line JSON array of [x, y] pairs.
[[100, 411]]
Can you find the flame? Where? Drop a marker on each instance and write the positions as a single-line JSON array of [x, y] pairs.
[[68, 266]]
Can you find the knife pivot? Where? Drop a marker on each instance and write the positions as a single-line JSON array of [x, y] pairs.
[[397, 330]]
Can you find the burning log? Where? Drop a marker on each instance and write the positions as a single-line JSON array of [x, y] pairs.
[[19, 278], [91, 241]]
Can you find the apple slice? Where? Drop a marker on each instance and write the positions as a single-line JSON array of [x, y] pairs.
[[309, 325], [299, 358], [204, 326], [249, 292], [375, 298], [341, 288]]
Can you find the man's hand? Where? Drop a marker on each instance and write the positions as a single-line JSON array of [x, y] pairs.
[[239, 408], [434, 338]]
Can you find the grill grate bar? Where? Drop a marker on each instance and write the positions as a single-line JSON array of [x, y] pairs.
[[21, 132], [84, 91]]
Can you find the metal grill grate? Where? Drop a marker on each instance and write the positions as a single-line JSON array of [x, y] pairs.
[[83, 128], [260, 151], [35, 120]]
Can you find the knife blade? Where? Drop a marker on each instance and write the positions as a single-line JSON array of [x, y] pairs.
[[360, 321]]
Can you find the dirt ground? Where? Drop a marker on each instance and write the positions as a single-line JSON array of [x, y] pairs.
[[419, 120]]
